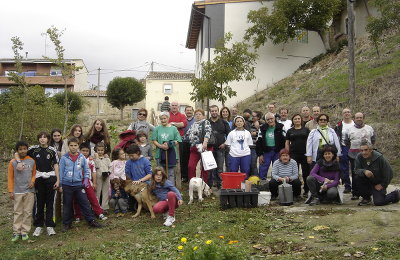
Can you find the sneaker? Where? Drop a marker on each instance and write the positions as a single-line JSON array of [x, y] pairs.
[[77, 220], [347, 190], [24, 237], [95, 224], [15, 238], [364, 202], [165, 215], [50, 231], [66, 228], [170, 220], [314, 201], [355, 197], [38, 231], [102, 217]]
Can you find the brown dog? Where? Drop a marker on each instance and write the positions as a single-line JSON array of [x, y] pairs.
[[143, 196]]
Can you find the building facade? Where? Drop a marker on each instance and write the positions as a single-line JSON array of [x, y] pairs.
[[46, 74]]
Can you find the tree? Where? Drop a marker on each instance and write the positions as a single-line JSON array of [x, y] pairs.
[[75, 102], [124, 91], [388, 20], [289, 17], [230, 64], [67, 69], [19, 78]]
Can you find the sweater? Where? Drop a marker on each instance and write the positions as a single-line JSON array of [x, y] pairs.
[[71, 171], [378, 165], [313, 141], [118, 169], [281, 170], [320, 174], [18, 181], [136, 170], [161, 192], [141, 126]]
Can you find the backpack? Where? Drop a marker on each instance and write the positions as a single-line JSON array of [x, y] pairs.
[[212, 140]]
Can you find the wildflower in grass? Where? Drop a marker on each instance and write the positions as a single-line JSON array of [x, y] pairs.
[[222, 237], [196, 235], [208, 242], [183, 239], [231, 242], [180, 247], [195, 248]]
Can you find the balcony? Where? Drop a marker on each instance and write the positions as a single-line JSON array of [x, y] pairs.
[[39, 80]]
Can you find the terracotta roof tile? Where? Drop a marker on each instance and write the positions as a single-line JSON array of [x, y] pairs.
[[170, 75], [92, 93]]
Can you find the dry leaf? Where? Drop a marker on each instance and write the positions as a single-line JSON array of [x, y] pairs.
[[347, 254], [258, 246], [320, 227]]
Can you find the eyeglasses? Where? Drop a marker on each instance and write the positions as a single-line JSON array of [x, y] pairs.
[[323, 119], [141, 114]]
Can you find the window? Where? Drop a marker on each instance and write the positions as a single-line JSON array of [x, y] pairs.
[[52, 91], [301, 36], [55, 72], [4, 90], [134, 113], [182, 108], [167, 89]]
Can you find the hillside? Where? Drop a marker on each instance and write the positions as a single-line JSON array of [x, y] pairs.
[[326, 84]]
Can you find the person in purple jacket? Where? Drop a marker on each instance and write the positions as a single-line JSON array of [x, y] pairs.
[[324, 178], [168, 195]]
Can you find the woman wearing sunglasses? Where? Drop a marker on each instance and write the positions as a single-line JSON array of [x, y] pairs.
[[319, 138], [141, 125]]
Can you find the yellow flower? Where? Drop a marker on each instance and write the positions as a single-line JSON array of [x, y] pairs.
[[183, 239], [222, 237], [375, 248], [311, 237], [195, 248], [180, 247], [208, 242], [196, 235], [231, 242]]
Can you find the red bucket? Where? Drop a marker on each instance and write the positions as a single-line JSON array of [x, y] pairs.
[[232, 180]]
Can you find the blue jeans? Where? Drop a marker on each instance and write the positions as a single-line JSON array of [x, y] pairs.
[[253, 165], [242, 162], [344, 167], [269, 157]]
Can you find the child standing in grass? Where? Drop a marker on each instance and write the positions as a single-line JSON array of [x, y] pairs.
[[118, 164], [90, 190], [73, 183], [103, 165], [144, 146], [20, 188], [168, 195]]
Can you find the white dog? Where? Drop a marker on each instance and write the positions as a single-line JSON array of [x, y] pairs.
[[201, 187]]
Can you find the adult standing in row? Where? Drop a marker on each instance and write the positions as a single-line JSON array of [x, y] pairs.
[[254, 130], [141, 125], [220, 129], [341, 128], [296, 142], [269, 143], [305, 114], [98, 133], [165, 137], [272, 109], [77, 132], [226, 115], [313, 124], [198, 135], [352, 137], [178, 120], [184, 159], [320, 137], [287, 123]]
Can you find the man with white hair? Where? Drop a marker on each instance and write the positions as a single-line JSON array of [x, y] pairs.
[[373, 174]]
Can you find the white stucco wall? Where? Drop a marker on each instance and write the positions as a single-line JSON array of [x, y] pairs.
[[155, 94], [81, 77], [273, 63]]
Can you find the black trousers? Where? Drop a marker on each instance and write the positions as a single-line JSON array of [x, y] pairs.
[[45, 195], [296, 187], [366, 189], [184, 148], [301, 159]]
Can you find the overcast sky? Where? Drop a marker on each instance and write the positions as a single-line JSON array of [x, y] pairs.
[[113, 35]]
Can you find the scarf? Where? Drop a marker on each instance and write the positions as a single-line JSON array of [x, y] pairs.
[[359, 126], [97, 137], [332, 166]]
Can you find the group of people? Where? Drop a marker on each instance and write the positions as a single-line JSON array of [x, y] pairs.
[[326, 154], [81, 168]]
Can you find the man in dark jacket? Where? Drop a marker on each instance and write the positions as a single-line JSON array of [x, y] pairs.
[[269, 143], [373, 173], [220, 130]]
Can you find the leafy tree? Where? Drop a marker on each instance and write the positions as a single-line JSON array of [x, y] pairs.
[[67, 69], [75, 102], [42, 114], [290, 16], [388, 20], [230, 64], [125, 91], [19, 78]]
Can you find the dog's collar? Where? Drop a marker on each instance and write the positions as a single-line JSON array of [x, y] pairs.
[[142, 189]]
